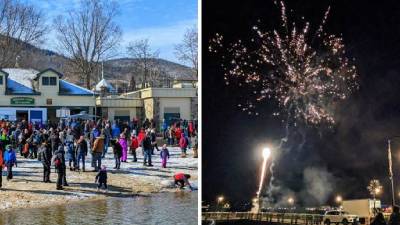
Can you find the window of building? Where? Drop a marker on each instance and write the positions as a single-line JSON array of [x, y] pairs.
[[45, 80], [49, 81], [53, 81], [1, 80]]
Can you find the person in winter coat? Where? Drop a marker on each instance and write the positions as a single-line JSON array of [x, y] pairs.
[[59, 163], [54, 140], [10, 160], [164, 154], [101, 178], [395, 216], [45, 156], [2, 165], [178, 134], [82, 149], [147, 147], [153, 141], [115, 131], [97, 151], [181, 180], [122, 141], [379, 219], [141, 136], [117, 150], [183, 143], [107, 138], [69, 142], [134, 146]]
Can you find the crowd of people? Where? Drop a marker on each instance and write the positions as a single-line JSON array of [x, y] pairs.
[[66, 144]]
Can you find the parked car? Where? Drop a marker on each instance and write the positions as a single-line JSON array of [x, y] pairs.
[[337, 217]]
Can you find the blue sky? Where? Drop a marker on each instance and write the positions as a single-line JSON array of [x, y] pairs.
[[163, 22]]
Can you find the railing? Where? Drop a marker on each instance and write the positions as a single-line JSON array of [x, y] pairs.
[[283, 218]]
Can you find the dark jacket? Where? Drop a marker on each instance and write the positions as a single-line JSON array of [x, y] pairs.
[[45, 155], [146, 143], [82, 147], [394, 219], [101, 176], [117, 150]]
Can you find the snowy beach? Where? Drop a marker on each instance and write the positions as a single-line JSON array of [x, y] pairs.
[[27, 190]]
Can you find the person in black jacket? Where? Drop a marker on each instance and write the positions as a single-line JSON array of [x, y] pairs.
[[117, 150], [147, 147], [101, 177], [54, 140], [45, 156], [394, 217], [59, 163], [379, 219]]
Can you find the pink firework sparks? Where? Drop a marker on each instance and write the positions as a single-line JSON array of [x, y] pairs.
[[305, 72]]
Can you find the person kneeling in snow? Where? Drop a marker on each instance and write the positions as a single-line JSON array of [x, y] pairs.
[[10, 159], [182, 179], [101, 178]]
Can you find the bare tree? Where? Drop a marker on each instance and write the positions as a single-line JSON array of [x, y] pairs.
[[187, 50], [88, 35], [20, 24], [145, 58]]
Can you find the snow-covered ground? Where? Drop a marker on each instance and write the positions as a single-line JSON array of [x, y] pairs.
[[27, 190]]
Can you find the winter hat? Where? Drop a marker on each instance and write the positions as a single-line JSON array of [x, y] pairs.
[[164, 146], [8, 147]]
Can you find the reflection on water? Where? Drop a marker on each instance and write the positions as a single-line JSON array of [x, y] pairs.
[[166, 208]]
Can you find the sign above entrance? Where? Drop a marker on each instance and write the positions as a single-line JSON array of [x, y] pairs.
[[22, 101]]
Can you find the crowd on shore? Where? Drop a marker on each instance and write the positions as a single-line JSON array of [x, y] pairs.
[[66, 144]]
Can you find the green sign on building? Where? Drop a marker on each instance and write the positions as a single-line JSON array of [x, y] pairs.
[[22, 101]]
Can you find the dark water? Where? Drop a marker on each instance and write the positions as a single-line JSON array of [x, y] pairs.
[[239, 222], [165, 208]]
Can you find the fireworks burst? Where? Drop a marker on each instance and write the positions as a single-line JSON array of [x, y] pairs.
[[305, 72]]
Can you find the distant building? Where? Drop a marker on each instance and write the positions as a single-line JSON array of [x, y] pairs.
[[37, 95]]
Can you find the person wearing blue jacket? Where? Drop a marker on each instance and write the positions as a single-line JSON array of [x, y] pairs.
[[10, 160], [115, 131]]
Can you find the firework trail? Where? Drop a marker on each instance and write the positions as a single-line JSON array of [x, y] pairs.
[[304, 72]]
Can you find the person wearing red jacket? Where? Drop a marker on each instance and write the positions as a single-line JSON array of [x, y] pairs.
[[183, 143], [178, 133], [182, 179], [141, 136], [134, 146], [191, 129]]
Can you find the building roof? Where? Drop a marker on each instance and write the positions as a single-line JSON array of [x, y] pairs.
[[21, 82], [67, 88], [106, 84]]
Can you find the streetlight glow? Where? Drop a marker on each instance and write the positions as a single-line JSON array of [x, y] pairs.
[[290, 201], [220, 199], [266, 153], [339, 199]]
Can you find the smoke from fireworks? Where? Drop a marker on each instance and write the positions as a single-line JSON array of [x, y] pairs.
[[305, 72]]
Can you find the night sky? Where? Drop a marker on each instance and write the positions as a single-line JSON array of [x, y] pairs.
[[353, 152]]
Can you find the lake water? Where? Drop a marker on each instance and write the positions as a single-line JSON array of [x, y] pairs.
[[165, 208]]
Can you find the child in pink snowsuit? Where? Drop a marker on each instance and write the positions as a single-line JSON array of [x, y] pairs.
[[124, 145], [164, 154]]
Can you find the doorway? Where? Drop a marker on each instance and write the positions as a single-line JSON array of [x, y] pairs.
[[22, 115]]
